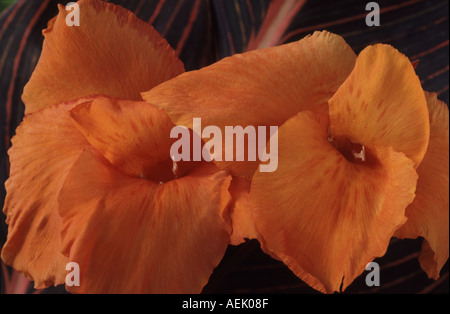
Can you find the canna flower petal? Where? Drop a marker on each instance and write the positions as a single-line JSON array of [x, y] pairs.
[[111, 53], [133, 136], [260, 88], [428, 215], [324, 216], [241, 215], [44, 148], [135, 236], [382, 104]]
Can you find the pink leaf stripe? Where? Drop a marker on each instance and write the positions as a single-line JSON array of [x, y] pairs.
[[278, 18]]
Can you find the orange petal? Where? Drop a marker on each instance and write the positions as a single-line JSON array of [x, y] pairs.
[[133, 136], [260, 88], [241, 214], [131, 235], [428, 215], [44, 149], [111, 53], [326, 217], [382, 104]]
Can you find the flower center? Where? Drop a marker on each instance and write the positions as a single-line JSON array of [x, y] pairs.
[[167, 170], [353, 152]]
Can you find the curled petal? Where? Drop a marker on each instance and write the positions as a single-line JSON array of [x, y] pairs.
[[43, 150], [131, 235], [382, 104], [428, 215], [133, 136], [111, 53], [324, 216], [263, 87]]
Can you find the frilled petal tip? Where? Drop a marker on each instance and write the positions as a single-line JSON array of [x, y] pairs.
[[43, 150], [111, 52]]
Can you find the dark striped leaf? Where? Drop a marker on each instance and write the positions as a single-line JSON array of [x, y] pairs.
[[244, 25], [418, 28], [4, 4]]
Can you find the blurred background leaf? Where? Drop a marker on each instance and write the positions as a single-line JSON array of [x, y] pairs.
[[204, 31], [5, 3]]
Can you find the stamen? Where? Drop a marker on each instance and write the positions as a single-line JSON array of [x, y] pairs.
[[360, 155], [351, 151], [174, 168]]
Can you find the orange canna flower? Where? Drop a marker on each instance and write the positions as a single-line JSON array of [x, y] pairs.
[[354, 143], [91, 180]]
